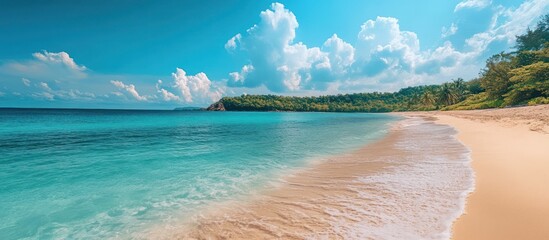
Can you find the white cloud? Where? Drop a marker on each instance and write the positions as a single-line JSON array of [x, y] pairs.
[[46, 66], [479, 4], [61, 78], [77, 94], [26, 82], [392, 58], [449, 31], [60, 57], [195, 86], [382, 46], [130, 88], [507, 23], [280, 64], [44, 95], [383, 57], [231, 44], [238, 77], [340, 54], [118, 94], [166, 95], [44, 86], [383, 54]]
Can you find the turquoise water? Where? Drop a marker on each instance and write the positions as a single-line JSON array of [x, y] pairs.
[[111, 173]]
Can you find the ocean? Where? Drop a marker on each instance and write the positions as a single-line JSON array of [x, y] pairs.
[[111, 174]]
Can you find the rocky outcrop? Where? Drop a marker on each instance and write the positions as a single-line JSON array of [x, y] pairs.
[[217, 106]]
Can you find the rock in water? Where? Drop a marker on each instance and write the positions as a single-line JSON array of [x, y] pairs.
[[217, 106]]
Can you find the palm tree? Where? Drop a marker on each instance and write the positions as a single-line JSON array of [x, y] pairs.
[[414, 99], [428, 98], [460, 89], [447, 95]]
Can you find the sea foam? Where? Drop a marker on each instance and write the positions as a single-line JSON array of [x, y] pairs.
[[411, 186]]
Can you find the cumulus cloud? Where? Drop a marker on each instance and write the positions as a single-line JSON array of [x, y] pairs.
[[445, 56], [231, 44], [280, 64], [383, 53], [198, 85], [166, 95], [507, 23], [130, 88], [340, 54], [383, 57], [60, 57], [382, 46], [60, 78], [239, 77], [44, 86], [478, 4], [388, 56], [46, 66], [332, 63], [449, 31]]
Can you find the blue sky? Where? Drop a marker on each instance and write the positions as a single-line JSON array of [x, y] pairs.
[[165, 54]]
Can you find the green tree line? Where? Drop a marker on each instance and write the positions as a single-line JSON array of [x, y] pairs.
[[508, 79]]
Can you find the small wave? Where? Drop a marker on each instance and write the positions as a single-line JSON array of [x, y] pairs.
[[410, 185]]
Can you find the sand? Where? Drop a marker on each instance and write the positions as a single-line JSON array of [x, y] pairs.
[[364, 195], [510, 152], [406, 185]]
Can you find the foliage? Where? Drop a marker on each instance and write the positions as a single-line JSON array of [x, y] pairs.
[[535, 39], [474, 86], [476, 101], [520, 77], [495, 77], [539, 100], [530, 81], [411, 98]]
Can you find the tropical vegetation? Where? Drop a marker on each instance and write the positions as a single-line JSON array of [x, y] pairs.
[[508, 79]]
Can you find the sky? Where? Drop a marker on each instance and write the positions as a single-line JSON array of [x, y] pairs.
[[140, 54]]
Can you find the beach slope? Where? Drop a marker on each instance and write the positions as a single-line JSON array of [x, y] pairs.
[[510, 152]]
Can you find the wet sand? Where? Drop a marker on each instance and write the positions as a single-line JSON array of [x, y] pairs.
[[410, 184], [510, 152]]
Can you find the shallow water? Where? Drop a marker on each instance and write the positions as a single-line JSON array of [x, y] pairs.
[[412, 184], [67, 174]]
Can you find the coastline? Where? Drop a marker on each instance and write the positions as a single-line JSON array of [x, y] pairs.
[[510, 157], [407, 184]]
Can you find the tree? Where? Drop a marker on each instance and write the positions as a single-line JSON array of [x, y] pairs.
[[508, 79], [495, 77], [534, 39], [459, 88], [428, 99], [529, 82], [447, 95], [474, 87]]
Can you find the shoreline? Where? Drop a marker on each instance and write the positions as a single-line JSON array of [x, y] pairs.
[[510, 157], [363, 194]]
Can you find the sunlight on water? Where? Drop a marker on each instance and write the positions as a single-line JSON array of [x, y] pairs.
[[104, 174]]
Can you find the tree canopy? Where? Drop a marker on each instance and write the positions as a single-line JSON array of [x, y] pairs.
[[515, 78]]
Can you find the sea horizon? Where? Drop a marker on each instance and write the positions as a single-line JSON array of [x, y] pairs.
[[64, 151], [261, 119]]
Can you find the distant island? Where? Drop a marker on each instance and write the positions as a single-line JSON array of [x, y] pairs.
[[509, 79], [189, 109]]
